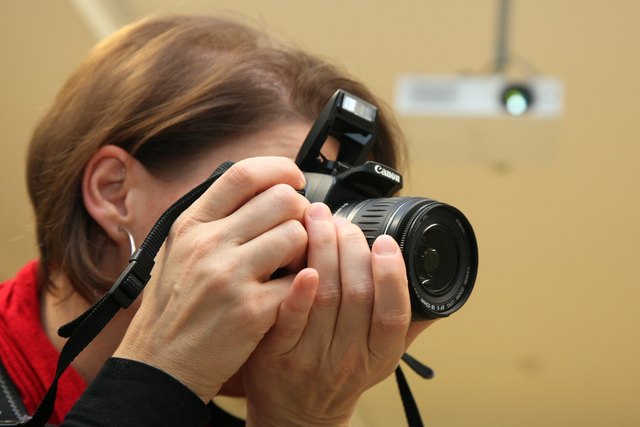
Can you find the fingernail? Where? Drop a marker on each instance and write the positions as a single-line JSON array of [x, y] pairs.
[[319, 211], [385, 245]]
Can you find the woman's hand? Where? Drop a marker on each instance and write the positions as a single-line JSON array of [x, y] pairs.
[[214, 299], [322, 353]]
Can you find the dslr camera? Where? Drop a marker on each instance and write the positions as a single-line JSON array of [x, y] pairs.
[[437, 241]]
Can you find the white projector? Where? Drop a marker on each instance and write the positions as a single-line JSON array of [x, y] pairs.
[[478, 96]]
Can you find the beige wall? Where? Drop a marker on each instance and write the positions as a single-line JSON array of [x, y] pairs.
[[550, 336]]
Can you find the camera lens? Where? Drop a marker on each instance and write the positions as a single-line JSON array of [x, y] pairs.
[[437, 242], [437, 262]]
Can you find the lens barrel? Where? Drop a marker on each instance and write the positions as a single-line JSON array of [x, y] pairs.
[[437, 242]]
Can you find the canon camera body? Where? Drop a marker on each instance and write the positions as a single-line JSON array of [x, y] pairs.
[[437, 241]]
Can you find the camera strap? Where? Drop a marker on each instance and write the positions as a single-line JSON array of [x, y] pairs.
[[408, 402]]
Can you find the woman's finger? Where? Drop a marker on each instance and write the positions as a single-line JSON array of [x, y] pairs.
[[322, 255], [275, 205], [354, 316], [293, 314], [392, 308], [274, 249], [241, 183]]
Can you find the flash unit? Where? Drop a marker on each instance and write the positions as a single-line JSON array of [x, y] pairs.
[[359, 107], [348, 119]]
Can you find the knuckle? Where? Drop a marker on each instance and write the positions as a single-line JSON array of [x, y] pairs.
[[258, 312], [199, 244], [296, 233], [284, 194], [328, 296], [287, 165], [360, 291], [286, 198], [239, 174], [324, 235], [302, 367], [252, 311], [289, 331], [229, 270], [249, 308], [394, 323], [350, 232], [180, 227], [206, 242]]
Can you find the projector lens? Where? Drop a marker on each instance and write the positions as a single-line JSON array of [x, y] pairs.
[[517, 99]]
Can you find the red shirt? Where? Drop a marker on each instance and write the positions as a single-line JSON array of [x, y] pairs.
[[25, 350]]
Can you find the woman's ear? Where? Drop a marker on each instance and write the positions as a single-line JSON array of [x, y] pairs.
[[106, 183]]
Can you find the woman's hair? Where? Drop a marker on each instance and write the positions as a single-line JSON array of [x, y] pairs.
[[166, 90]]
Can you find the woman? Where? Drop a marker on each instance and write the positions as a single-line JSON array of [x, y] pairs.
[[149, 114]]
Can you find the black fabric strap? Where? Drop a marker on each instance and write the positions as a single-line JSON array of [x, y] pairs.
[[418, 367], [408, 402], [410, 407], [126, 289]]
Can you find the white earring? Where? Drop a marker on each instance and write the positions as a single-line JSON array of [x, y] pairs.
[[132, 242]]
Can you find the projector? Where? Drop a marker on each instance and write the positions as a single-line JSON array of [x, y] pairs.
[[479, 96]]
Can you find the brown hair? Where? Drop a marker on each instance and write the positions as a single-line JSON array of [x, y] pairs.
[[165, 89]]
